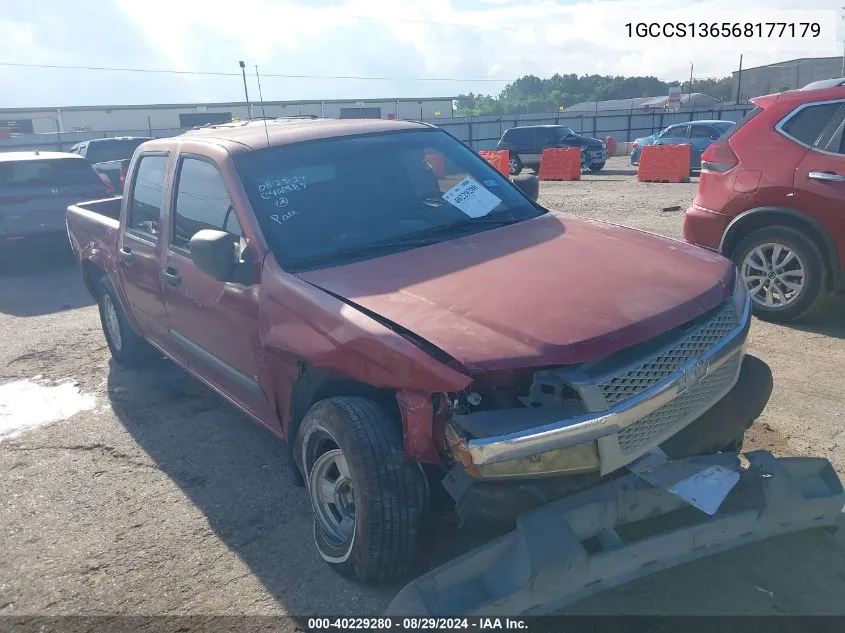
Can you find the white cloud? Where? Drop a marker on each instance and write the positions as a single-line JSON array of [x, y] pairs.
[[498, 39]]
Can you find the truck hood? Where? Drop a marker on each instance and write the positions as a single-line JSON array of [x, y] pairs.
[[549, 291]]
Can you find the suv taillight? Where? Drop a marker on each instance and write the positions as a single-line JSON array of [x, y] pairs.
[[634, 145], [718, 157]]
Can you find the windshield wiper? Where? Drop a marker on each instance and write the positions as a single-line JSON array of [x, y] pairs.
[[425, 237]]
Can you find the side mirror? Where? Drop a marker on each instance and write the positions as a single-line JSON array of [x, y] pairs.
[[714, 137], [529, 184], [215, 253]]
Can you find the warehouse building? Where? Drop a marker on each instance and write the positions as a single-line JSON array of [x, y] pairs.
[[168, 119], [640, 105], [788, 75]]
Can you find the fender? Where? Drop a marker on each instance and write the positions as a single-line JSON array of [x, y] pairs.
[[828, 247]]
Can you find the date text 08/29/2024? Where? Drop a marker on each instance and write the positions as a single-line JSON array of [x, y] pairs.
[[417, 624]]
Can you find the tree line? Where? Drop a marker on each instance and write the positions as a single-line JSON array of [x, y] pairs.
[[530, 94]]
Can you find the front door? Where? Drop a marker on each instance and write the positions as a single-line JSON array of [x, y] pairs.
[[138, 247], [214, 323]]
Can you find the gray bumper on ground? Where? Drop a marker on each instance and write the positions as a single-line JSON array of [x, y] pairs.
[[619, 531]]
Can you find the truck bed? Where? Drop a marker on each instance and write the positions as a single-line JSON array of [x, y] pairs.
[[93, 228], [109, 207]]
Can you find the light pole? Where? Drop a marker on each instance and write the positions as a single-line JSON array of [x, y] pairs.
[[690, 81], [246, 92]]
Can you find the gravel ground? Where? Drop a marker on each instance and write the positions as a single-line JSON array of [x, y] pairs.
[[162, 500]]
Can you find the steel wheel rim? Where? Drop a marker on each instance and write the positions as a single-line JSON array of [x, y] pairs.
[[333, 496], [112, 323], [514, 166], [774, 274]]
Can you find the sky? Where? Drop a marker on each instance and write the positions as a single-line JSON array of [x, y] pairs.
[[467, 45]]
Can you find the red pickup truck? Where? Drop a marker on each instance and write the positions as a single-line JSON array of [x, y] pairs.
[[405, 317]]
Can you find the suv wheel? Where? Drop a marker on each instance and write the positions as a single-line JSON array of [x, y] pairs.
[[596, 166], [783, 271], [368, 501], [514, 165]]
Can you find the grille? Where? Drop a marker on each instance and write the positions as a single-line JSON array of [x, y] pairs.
[[667, 362], [688, 404]]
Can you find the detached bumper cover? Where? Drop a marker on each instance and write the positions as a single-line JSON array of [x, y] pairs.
[[543, 565]]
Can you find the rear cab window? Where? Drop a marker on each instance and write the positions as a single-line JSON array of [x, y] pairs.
[[54, 172], [147, 198]]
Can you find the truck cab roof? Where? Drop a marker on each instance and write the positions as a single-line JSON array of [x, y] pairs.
[[258, 134]]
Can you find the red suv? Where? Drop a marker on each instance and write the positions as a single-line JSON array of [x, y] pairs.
[[772, 198]]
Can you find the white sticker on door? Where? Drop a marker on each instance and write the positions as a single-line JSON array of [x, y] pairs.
[[471, 198]]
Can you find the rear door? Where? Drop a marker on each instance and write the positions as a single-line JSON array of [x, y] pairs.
[[35, 194], [819, 185], [214, 323], [701, 137], [139, 243]]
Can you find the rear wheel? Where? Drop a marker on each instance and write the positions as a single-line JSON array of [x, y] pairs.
[[597, 166], [783, 271], [126, 347], [368, 501], [514, 165]]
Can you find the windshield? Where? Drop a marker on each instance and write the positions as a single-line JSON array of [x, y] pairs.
[[326, 202]]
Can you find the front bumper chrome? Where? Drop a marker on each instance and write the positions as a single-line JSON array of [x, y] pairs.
[[615, 420]]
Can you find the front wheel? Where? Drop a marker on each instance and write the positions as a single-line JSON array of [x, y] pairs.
[[368, 501], [783, 271], [597, 166]]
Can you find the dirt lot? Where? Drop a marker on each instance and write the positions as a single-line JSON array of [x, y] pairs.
[[161, 499]]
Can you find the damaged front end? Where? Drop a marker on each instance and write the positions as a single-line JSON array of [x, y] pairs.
[[588, 421]]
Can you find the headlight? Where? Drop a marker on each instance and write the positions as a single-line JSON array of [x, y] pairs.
[[740, 293], [571, 460]]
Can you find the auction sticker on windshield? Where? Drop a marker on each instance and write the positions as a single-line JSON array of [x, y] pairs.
[[471, 198]]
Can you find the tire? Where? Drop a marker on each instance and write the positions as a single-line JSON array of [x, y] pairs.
[[376, 539], [792, 304], [515, 166], [597, 166], [127, 348], [529, 184]]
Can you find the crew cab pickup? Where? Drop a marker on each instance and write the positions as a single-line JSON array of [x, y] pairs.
[[404, 316]]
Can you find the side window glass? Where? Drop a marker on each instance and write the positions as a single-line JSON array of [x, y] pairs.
[[808, 123], [833, 139], [543, 137], [202, 202], [702, 131], [147, 196]]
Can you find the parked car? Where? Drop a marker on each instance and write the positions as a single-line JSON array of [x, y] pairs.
[[110, 156], [697, 134], [772, 196], [395, 323], [35, 191], [526, 145]]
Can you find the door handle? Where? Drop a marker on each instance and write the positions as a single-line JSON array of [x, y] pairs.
[[126, 254], [825, 176], [171, 276]]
